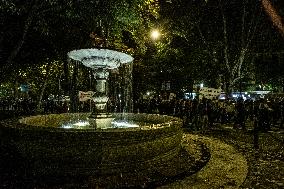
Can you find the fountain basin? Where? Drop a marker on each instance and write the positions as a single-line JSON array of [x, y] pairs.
[[53, 150]]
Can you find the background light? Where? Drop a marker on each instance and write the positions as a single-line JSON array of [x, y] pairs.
[[155, 34]]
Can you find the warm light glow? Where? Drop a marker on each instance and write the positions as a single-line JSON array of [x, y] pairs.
[[155, 34]]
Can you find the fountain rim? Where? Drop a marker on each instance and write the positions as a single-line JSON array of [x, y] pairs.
[[17, 124]]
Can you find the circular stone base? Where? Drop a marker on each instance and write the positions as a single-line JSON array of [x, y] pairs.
[[192, 157], [203, 163], [184, 165]]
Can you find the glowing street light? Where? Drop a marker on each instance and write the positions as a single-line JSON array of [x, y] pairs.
[[155, 34]]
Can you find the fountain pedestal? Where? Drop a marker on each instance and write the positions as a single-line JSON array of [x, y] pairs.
[[100, 117]]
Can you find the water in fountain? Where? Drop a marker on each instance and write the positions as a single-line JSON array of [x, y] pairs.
[[101, 123]]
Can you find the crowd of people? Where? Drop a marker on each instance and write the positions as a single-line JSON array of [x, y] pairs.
[[17, 104], [204, 113], [29, 106], [196, 114]]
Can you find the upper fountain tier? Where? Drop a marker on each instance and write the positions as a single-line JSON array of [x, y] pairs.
[[100, 58]]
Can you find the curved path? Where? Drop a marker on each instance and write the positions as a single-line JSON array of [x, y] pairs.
[[227, 168]]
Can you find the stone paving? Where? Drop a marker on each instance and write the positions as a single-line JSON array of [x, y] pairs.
[[266, 164], [227, 168]]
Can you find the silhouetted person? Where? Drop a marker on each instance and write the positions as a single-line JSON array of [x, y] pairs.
[[263, 116], [241, 113]]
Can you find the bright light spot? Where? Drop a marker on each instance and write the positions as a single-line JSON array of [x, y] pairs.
[[201, 85], [76, 125], [222, 98], [123, 124], [81, 123], [148, 93], [67, 126], [155, 34]]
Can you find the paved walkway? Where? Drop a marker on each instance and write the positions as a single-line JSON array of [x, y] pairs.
[[226, 168], [266, 165]]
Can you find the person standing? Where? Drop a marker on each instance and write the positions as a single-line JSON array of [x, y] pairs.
[[263, 116], [241, 113]]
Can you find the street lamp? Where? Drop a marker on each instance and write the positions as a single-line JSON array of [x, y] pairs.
[[155, 34]]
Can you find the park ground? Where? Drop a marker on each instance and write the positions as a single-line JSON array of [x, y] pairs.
[[266, 164]]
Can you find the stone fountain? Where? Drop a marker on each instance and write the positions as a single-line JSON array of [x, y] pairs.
[[131, 154], [101, 61]]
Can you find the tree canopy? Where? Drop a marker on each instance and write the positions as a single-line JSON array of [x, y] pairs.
[[217, 42]]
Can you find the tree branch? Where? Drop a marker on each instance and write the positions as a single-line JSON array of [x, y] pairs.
[[205, 42], [226, 56], [243, 22], [18, 46], [274, 16]]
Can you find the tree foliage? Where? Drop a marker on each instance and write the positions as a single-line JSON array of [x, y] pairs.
[[37, 33], [202, 41], [220, 38]]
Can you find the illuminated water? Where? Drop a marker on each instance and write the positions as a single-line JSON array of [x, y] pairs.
[[106, 123]]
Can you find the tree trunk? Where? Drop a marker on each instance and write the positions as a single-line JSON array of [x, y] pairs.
[[17, 48], [228, 87], [39, 103], [274, 16], [73, 89], [20, 43], [66, 76], [234, 63]]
